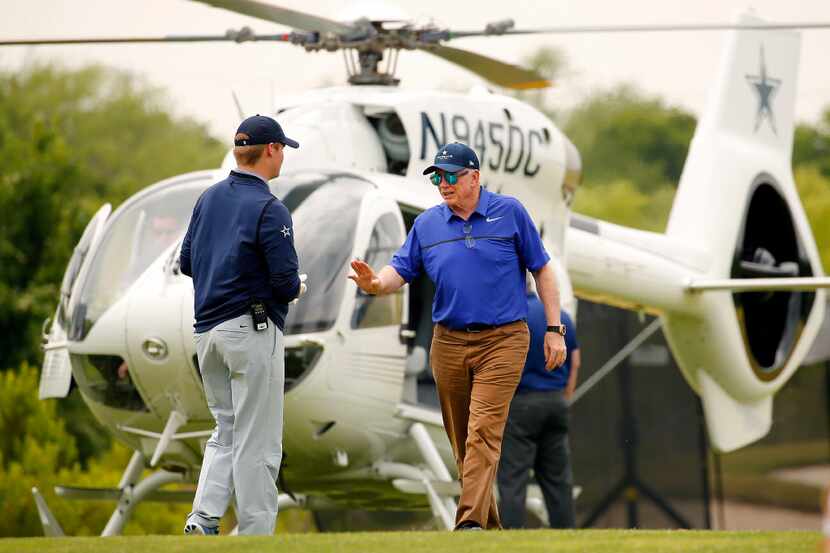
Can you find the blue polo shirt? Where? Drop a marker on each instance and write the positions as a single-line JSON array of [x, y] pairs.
[[479, 265], [535, 377]]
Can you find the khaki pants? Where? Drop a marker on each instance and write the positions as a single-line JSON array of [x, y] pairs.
[[476, 374]]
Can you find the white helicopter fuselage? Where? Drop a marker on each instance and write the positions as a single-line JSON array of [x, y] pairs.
[[359, 409], [345, 405]]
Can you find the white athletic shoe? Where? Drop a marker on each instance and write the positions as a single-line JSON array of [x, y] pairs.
[[195, 529]]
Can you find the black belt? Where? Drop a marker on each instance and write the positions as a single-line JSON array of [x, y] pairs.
[[478, 327]]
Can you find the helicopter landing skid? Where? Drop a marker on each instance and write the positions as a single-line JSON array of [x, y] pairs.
[[435, 481], [130, 492]]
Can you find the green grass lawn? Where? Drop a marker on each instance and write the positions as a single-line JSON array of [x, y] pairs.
[[581, 541]]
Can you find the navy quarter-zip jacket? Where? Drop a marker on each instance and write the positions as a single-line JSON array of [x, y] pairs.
[[230, 266]]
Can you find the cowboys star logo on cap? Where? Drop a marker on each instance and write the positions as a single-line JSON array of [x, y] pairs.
[[454, 157]]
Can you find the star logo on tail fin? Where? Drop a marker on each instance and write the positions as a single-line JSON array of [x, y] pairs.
[[766, 87]]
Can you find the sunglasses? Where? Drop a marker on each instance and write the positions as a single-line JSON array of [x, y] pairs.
[[451, 178]]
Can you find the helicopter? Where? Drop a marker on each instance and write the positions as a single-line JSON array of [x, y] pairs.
[[740, 300]]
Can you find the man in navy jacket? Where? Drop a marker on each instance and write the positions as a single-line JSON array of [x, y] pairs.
[[239, 250]]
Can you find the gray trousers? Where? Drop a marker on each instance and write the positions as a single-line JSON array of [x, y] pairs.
[[536, 437], [243, 371]]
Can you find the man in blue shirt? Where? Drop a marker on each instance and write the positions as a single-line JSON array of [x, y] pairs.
[[239, 249], [536, 435], [476, 247]]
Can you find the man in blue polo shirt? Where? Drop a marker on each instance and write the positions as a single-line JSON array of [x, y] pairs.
[[536, 435], [239, 249], [476, 247]]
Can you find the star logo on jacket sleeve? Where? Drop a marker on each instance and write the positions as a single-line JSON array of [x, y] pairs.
[[286, 232]]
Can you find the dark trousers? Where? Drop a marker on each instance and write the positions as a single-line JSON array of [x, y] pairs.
[[536, 437]]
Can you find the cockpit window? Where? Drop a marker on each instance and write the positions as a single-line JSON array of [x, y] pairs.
[[373, 311], [324, 211], [106, 379], [73, 268], [135, 238]]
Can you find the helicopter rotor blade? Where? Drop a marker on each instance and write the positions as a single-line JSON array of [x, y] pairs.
[[501, 28], [491, 69], [243, 35], [275, 14]]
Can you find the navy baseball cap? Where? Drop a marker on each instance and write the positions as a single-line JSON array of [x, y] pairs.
[[453, 158], [262, 129]]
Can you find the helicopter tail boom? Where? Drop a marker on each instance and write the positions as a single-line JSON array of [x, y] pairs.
[[736, 278]]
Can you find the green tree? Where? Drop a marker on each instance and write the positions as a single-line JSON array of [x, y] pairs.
[[70, 140], [814, 190], [550, 63], [811, 167], [118, 128], [621, 202], [37, 451], [811, 144], [26, 421], [40, 210], [634, 148], [623, 134]]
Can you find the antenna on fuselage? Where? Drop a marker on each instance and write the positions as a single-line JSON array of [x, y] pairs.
[[238, 105]]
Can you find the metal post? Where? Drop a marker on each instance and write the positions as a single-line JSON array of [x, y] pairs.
[[618, 358], [629, 436], [630, 487], [703, 449]]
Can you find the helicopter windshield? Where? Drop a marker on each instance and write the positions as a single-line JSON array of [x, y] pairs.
[[135, 238], [324, 210]]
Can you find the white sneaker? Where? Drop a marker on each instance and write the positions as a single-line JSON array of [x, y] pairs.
[[195, 529]]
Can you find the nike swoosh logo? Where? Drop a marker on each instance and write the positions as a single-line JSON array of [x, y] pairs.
[[491, 219]]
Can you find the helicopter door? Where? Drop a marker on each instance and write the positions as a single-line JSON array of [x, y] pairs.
[[56, 375], [376, 352]]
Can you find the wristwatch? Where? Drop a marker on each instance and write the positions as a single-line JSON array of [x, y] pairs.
[[559, 329]]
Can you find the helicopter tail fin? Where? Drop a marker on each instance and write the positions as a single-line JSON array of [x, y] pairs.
[[746, 130], [737, 201]]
